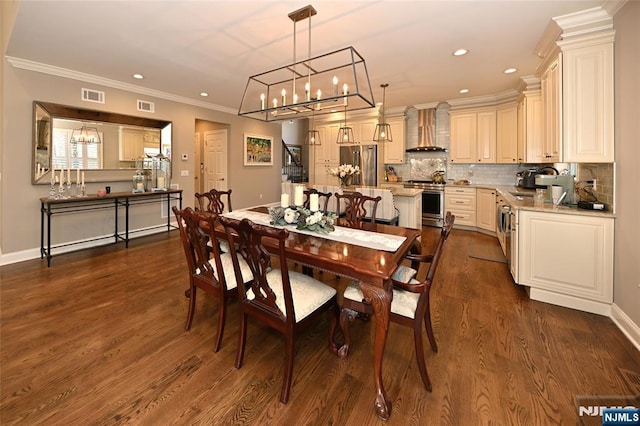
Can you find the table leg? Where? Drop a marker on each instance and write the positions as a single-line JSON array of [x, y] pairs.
[[380, 300]]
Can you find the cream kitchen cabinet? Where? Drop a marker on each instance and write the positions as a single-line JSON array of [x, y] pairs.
[[461, 202], [567, 259], [393, 152], [363, 131], [131, 145], [530, 128], [507, 134], [326, 156], [486, 209], [551, 83], [587, 99], [473, 136]]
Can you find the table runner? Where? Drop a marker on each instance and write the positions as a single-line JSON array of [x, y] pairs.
[[359, 237]]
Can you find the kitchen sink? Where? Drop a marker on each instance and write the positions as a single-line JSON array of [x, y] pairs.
[[522, 194]]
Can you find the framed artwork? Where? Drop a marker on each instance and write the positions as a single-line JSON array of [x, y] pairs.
[[296, 154], [258, 150]]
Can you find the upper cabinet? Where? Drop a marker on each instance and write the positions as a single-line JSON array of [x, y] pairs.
[[551, 84], [507, 134], [473, 136], [530, 128], [587, 99], [393, 152]]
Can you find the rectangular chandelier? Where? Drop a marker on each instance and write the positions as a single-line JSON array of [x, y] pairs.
[[319, 85]]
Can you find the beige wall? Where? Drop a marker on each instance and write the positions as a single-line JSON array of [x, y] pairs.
[[20, 216], [627, 133]]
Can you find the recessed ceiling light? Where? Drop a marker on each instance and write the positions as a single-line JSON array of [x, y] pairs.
[[464, 90], [460, 52], [204, 94], [510, 70], [138, 76]]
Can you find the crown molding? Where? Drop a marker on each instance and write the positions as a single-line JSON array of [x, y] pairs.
[[484, 101], [584, 22], [28, 65], [529, 82]]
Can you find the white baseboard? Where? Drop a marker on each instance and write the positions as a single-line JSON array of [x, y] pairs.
[[34, 253], [600, 308], [626, 325]]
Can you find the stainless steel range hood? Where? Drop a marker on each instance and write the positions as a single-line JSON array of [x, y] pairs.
[[426, 132]]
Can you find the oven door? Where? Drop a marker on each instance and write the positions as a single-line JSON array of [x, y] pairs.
[[432, 207]]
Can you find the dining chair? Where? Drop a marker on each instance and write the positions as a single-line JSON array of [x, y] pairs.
[[355, 208], [410, 303], [209, 268], [213, 201], [323, 198], [284, 300]]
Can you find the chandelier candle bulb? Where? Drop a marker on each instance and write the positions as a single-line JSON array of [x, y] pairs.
[[335, 86], [262, 101], [307, 91], [295, 98], [298, 195], [314, 204], [284, 200], [284, 97]]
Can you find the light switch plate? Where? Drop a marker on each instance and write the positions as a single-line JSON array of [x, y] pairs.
[[184, 172]]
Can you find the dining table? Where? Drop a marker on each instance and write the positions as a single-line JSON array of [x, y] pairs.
[[369, 256]]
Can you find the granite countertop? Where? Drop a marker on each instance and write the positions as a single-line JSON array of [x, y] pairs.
[[526, 202]]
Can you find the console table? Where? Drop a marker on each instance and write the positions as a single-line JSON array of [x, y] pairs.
[[51, 207]]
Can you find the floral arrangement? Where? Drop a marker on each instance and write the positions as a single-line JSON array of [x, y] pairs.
[[344, 170], [302, 218]]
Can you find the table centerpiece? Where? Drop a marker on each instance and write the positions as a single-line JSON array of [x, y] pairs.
[[303, 219]]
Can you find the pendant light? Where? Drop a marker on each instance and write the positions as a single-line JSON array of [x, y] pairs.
[[85, 134], [383, 129], [313, 136], [345, 134]]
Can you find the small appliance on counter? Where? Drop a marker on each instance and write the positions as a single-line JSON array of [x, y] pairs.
[[527, 178], [565, 181]]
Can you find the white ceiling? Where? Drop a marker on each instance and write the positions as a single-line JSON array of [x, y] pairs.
[[186, 47]]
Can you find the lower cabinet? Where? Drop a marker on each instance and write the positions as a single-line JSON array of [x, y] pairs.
[[321, 174], [486, 209], [567, 259], [461, 202], [409, 211]]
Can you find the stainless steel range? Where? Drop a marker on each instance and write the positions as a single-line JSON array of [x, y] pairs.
[[432, 201]]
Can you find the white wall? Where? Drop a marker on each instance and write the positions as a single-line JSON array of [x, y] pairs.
[[20, 215], [627, 133]]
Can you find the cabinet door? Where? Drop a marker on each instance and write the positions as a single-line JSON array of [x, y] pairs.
[[507, 134], [567, 254], [366, 129], [531, 130], [486, 209], [131, 145], [463, 128], [486, 143], [331, 148], [552, 106], [393, 152], [587, 101]]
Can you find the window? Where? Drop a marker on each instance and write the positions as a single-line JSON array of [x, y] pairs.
[[74, 155]]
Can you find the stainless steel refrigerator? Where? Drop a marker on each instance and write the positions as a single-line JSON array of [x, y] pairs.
[[364, 156]]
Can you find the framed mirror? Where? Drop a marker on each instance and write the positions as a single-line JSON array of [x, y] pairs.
[[66, 137]]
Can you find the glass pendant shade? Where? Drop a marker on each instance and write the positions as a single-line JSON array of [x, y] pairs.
[[345, 134], [313, 138], [382, 132]]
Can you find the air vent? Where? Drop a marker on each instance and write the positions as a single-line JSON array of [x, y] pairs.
[[92, 96], [146, 106]]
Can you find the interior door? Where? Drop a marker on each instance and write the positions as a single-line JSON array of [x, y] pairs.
[[215, 164]]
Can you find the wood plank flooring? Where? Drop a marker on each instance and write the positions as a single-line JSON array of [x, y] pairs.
[[98, 338]]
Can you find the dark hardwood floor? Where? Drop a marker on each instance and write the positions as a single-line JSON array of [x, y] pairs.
[[98, 338]]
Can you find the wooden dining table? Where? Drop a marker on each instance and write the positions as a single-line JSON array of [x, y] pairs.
[[371, 268]]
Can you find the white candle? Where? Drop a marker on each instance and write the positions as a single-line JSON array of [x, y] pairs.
[[295, 98], [61, 176], [307, 91], [68, 175], [139, 186], [335, 86], [314, 202], [160, 182], [53, 175], [284, 97], [284, 200], [298, 195], [262, 101], [77, 176], [83, 178]]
